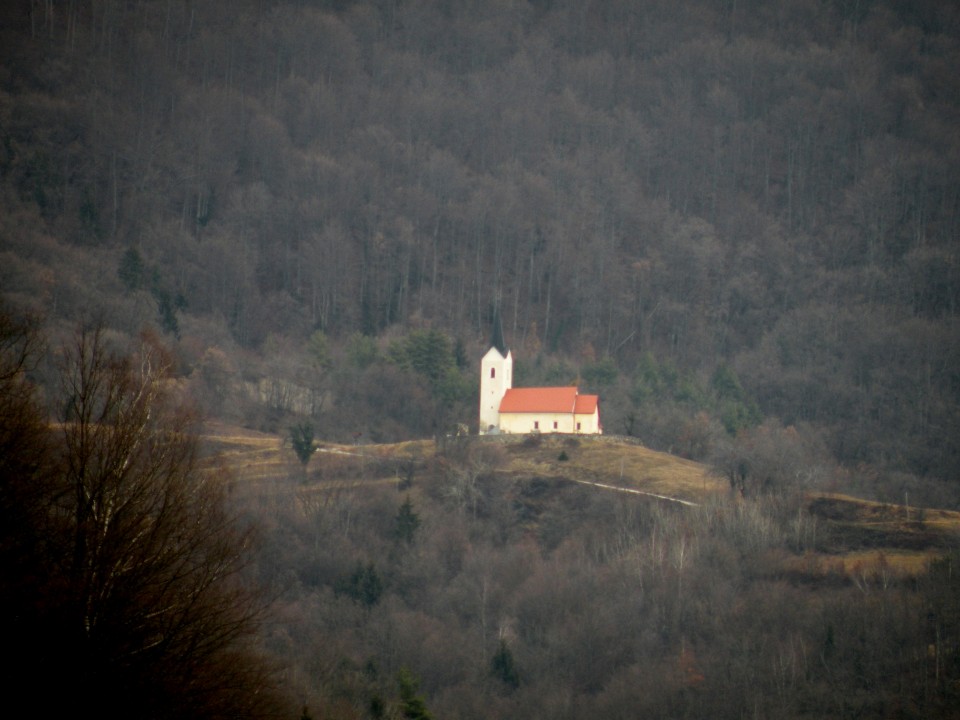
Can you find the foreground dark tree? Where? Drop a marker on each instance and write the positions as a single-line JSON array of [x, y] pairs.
[[24, 485], [137, 605]]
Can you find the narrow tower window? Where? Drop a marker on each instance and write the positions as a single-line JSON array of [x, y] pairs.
[[493, 372]]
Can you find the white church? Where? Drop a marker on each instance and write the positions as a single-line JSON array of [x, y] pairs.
[[506, 409]]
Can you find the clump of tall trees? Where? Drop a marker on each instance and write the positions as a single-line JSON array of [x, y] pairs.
[[122, 589]]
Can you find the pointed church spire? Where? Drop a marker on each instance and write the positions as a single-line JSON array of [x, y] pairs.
[[497, 339]]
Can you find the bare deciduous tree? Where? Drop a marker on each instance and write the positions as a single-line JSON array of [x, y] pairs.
[[140, 604]]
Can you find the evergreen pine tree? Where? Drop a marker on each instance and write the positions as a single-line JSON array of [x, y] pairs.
[[407, 522], [411, 705], [301, 438], [503, 667]]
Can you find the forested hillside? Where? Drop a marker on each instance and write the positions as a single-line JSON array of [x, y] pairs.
[[509, 589], [713, 213]]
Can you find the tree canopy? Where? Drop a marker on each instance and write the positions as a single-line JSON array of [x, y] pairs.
[[770, 188]]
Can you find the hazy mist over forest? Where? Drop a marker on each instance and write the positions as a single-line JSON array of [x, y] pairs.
[[737, 221]]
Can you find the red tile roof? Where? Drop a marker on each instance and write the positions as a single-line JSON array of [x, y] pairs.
[[543, 400], [586, 404], [548, 400]]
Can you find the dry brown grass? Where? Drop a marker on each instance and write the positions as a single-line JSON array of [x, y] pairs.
[[875, 513], [886, 524], [899, 562], [617, 463], [874, 565], [256, 456], [249, 455]]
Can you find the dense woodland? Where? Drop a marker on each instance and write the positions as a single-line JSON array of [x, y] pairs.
[[532, 597], [130, 567], [766, 189], [736, 221]]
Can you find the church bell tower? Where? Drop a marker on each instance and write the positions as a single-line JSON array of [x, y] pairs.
[[496, 377]]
